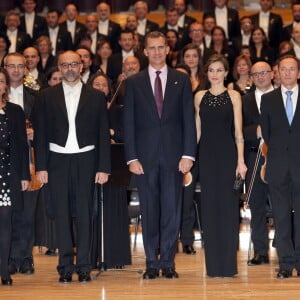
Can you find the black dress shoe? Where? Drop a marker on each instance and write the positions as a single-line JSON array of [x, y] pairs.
[[50, 252], [169, 273], [84, 277], [65, 278], [151, 273], [6, 281], [282, 274], [27, 266], [258, 260], [189, 249], [12, 268]]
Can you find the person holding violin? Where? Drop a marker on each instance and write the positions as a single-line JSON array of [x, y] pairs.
[[14, 171], [280, 124], [261, 75]]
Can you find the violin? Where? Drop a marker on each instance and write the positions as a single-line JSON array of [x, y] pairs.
[[264, 153], [34, 183]]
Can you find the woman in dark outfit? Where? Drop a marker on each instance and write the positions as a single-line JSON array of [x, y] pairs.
[[116, 233], [14, 169]]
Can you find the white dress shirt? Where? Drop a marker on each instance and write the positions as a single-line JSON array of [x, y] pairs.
[[127, 54], [141, 27], [16, 95], [71, 26], [29, 20], [94, 42], [222, 18], [180, 22], [12, 36], [163, 77], [259, 93], [264, 21], [245, 39], [72, 96], [53, 32], [103, 27]]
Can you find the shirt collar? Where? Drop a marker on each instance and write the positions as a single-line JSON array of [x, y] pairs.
[[18, 89], [294, 89], [163, 70], [72, 89], [271, 88], [221, 10], [264, 14]]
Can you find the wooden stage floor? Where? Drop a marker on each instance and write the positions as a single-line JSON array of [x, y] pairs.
[[251, 283]]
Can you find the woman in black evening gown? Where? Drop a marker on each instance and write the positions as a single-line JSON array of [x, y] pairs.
[[221, 158]]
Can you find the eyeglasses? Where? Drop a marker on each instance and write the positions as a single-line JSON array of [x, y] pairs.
[[196, 30], [73, 65], [262, 73], [12, 66]]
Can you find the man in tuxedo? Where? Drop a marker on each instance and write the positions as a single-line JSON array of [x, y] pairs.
[[72, 154], [280, 124], [115, 62], [227, 18], [19, 40], [288, 29], [60, 38], [262, 76], [32, 57], [75, 28], [107, 28], [160, 145], [184, 20], [144, 25], [23, 221], [91, 24], [270, 22], [31, 23], [86, 58], [208, 22]]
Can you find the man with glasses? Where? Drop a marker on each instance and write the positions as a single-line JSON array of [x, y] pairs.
[[72, 154], [262, 76], [280, 125], [23, 219]]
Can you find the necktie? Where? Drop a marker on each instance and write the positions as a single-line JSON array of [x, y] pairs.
[[289, 106], [158, 94]]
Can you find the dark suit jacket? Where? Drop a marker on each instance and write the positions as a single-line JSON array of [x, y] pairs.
[[79, 30], [29, 97], [233, 24], [251, 119], [115, 63], [275, 28], [282, 139], [287, 32], [51, 61], [19, 155], [183, 37], [147, 137], [23, 41], [267, 55], [150, 26], [39, 26], [51, 124], [114, 30], [63, 41]]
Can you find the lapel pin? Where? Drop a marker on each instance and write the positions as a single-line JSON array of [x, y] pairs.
[[176, 82]]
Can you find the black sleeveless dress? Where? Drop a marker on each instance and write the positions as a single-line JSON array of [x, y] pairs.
[[219, 204]]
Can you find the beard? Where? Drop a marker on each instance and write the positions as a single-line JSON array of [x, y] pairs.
[[71, 76]]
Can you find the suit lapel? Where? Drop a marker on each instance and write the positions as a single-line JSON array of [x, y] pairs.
[[61, 101], [83, 98]]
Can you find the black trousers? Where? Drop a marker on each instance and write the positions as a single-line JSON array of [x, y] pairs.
[[5, 239], [71, 183], [160, 191], [188, 210], [259, 199], [23, 229]]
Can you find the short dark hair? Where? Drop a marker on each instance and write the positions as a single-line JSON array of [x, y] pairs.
[[280, 59], [154, 35], [217, 58]]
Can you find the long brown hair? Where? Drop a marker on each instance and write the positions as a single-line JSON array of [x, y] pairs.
[[5, 96]]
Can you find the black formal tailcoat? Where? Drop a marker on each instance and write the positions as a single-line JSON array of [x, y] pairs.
[[51, 124], [79, 30], [39, 26]]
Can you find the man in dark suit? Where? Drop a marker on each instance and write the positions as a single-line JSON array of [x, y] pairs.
[[72, 154], [144, 25], [227, 18], [91, 24], [31, 23], [184, 20], [60, 38], [160, 145], [280, 124], [86, 58], [23, 221], [270, 22], [107, 28], [75, 28], [115, 62], [288, 29], [19, 40], [262, 76]]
